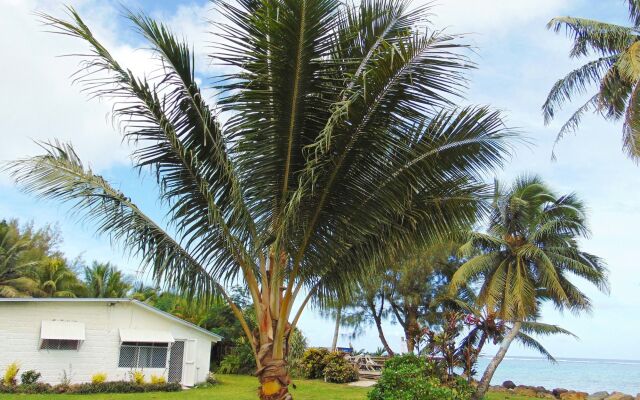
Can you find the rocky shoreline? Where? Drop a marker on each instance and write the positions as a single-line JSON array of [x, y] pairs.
[[559, 393]]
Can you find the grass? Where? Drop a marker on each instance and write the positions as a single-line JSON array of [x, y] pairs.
[[235, 387], [231, 387]]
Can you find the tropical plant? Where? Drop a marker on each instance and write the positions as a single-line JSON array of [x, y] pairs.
[[56, 279], [14, 268], [411, 377], [615, 74], [10, 373], [30, 377], [104, 280], [99, 377], [157, 379], [335, 142], [137, 377], [527, 257]]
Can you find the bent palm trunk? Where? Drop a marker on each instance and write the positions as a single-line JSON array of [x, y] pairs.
[[493, 365], [336, 331]]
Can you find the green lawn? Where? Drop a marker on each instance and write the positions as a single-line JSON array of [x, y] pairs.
[[235, 387]]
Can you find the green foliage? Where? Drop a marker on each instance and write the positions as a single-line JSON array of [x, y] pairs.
[[314, 362], [409, 377], [104, 280], [29, 377], [240, 360], [297, 348], [100, 377], [10, 373], [530, 253], [338, 370], [613, 77]]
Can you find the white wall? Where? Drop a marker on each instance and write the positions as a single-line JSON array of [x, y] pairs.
[[20, 339]]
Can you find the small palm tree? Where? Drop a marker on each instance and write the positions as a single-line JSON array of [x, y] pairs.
[[56, 279], [106, 281], [335, 140], [527, 257], [615, 73], [15, 270]]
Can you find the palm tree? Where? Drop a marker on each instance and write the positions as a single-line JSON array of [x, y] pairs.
[[527, 257], [15, 270], [335, 140], [615, 72], [55, 279], [106, 281]]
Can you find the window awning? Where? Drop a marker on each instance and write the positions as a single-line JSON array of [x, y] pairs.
[[62, 330], [145, 336]]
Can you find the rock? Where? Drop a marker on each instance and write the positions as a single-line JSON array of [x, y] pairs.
[[496, 388], [542, 395], [508, 385], [525, 391], [598, 396], [572, 395], [619, 396], [558, 391], [542, 389]]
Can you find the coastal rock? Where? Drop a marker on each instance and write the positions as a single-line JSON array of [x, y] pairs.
[[526, 391], [572, 395], [558, 391], [619, 396], [508, 385], [598, 396]]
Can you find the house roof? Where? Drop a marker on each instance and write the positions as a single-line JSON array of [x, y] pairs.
[[131, 301]]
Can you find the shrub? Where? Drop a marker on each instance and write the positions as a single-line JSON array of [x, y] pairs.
[[9, 378], [29, 377], [313, 363], [35, 388], [409, 377], [137, 377], [240, 360], [156, 379], [122, 387], [100, 377], [339, 370]]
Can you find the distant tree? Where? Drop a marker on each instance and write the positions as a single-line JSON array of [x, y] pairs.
[[145, 294], [615, 74], [15, 264], [527, 257], [104, 280], [56, 279]]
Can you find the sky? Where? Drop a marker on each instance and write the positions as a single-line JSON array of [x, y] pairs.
[[518, 61]]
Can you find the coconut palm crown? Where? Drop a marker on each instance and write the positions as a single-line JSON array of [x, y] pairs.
[[615, 73], [334, 142]]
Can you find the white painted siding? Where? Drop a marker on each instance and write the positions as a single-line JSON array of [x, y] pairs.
[[20, 338]]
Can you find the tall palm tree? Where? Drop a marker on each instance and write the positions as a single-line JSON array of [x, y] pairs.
[[527, 257], [106, 281], [15, 270], [334, 140], [56, 279], [615, 73]]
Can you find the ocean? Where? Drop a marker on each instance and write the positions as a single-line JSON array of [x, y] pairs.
[[584, 374]]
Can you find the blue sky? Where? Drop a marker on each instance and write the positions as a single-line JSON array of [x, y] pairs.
[[518, 61]]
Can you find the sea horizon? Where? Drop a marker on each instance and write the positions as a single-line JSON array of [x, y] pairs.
[[573, 373]]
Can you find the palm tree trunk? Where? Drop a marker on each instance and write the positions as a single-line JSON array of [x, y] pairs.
[[273, 376], [483, 386], [336, 331]]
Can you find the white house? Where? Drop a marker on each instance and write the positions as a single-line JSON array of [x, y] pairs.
[[78, 338]]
